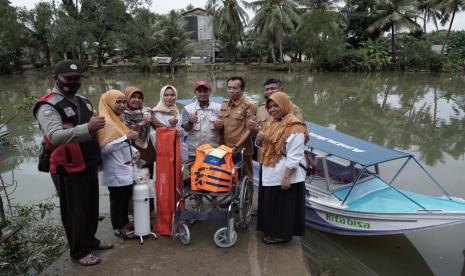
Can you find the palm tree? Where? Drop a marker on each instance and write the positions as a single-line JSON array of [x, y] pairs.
[[449, 7], [273, 20], [429, 12], [174, 40], [323, 5], [229, 21], [394, 14]]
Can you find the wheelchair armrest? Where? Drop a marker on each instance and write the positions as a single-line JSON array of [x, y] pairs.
[[187, 164], [238, 165]]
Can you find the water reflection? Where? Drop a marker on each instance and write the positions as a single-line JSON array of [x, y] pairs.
[[421, 113], [341, 255]]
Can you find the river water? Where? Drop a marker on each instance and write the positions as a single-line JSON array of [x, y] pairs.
[[420, 113]]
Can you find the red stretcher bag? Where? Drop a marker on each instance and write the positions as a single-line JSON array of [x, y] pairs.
[[168, 178]]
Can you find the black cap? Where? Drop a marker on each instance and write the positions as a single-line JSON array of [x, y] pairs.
[[68, 68]]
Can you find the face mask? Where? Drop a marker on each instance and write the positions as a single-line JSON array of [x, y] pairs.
[[72, 87]]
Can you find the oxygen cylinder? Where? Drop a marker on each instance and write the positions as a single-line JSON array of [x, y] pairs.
[[140, 198]]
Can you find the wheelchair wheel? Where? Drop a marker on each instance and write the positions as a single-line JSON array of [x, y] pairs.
[[180, 230], [221, 237], [245, 202], [184, 234]]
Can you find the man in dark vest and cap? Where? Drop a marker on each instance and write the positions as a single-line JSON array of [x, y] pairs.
[[69, 129]]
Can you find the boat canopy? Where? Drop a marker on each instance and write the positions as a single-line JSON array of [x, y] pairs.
[[350, 148]]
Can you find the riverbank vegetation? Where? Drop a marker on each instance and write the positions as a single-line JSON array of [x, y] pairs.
[[39, 242], [327, 35]]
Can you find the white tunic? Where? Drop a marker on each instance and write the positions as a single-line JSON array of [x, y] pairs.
[[117, 163], [164, 118], [295, 145]]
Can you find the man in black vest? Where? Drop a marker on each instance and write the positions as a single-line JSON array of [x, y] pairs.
[[69, 130]]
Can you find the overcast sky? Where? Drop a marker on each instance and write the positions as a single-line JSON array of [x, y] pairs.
[[164, 6]]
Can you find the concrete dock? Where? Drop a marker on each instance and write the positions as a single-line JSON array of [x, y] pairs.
[[165, 256]]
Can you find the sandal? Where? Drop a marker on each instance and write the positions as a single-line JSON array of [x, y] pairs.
[[124, 234], [104, 246], [88, 260], [271, 240]]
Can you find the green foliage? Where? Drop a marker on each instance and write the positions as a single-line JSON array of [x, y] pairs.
[[11, 37], [356, 21], [66, 35], [142, 34], [229, 20], [134, 5], [375, 53], [145, 64], [318, 4], [416, 54], [104, 20], [40, 241], [456, 50], [92, 31], [39, 24], [273, 21], [227, 47], [394, 15], [174, 39], [322, 38]]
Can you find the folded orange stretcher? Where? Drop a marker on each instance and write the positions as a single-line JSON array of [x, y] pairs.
[[168, 167]]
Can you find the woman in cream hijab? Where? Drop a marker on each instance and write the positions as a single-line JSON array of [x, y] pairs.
[[166, 110], [281, 197], [118, 157]]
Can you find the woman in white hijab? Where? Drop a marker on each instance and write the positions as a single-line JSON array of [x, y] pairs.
[[166, 110]]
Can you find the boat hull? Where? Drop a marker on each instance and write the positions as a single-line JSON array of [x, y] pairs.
[[340, 221], [324, 212]]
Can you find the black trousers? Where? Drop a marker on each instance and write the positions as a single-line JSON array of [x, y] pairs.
[[119, 201], [78, 194]]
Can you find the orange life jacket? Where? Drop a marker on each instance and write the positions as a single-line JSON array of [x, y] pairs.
[[212, 169]]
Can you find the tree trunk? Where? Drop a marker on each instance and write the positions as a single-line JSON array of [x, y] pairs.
[[281, 57], [81, 51], [393, 44], [271, 49], [48, 55], [424, 21], [448, 32], [99, 56]]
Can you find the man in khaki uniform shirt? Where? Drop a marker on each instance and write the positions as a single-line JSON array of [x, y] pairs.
[[235, 114], [271, 86]]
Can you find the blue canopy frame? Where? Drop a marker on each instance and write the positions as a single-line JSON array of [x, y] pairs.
[[350, 148], [361, 152]]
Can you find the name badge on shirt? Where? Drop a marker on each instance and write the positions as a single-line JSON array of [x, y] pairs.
[[89, 107], [69, 112]]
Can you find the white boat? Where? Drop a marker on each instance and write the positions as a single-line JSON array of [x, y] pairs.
[[4, 134], [346, 194]]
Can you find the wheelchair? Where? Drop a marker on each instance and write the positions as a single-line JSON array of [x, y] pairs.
[[234, 208]]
